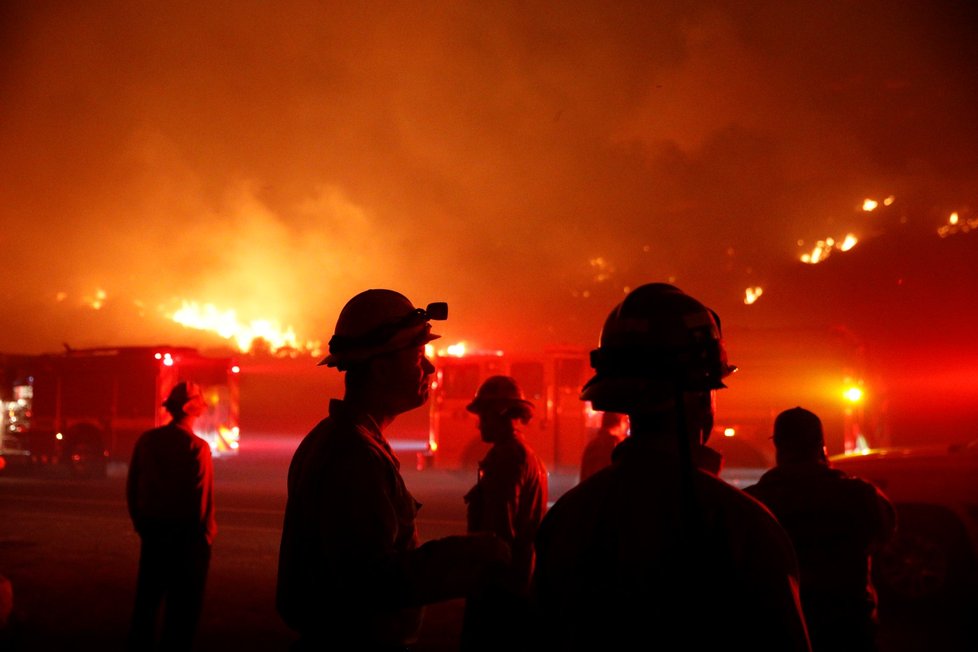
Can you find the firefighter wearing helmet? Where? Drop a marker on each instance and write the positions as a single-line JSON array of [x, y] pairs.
[[352, 574], [170, 496], [653, 549], [508, 500]]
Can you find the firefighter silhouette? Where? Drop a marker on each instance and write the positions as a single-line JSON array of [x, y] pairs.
[[170, 495], [836, 523], [351, 574], [653, 551], [508, 500]]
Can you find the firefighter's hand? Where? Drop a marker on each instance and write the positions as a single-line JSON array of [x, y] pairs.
[[453, 566], [492, 550]]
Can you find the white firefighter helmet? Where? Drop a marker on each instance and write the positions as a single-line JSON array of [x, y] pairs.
[[503, 395], [375, 322], [656, 342]]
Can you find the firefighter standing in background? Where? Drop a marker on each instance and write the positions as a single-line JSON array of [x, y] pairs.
[[597, 453], [653, 551], [170, 495], [508, 500], [836, 523], [351, 573]]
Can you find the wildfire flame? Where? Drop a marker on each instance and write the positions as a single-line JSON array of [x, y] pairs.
[[603, 270], [96, 302], [208, 317], [823, 248], [870, 205], [955, 224]]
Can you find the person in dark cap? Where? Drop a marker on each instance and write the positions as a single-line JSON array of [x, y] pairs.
[[352, 573], [170, 496], [509, 500], [836, 523]]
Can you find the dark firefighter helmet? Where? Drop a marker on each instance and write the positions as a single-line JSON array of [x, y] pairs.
[[375, 322], [656, 342], [503, 395], [181, 395]]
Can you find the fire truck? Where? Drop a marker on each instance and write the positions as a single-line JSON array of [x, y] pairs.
[[82, 409], [817, 368]]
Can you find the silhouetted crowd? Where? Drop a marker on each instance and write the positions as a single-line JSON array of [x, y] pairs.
[[651, 550]]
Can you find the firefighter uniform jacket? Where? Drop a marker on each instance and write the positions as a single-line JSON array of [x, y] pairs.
[[646, 554], [509, 500], [170, 486], [351, 573], [836, 523]]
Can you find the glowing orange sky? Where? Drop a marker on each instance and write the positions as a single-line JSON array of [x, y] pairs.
[[277, 158]]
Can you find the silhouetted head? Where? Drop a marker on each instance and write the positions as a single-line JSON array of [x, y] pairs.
[[376, 322], [185, 399], [500, 404], [379, 341], [656, 345], [798, 436]]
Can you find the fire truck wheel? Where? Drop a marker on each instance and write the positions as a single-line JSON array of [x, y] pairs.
[[85, 454]]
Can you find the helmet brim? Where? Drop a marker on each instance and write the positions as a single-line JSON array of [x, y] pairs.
[[404, 340]]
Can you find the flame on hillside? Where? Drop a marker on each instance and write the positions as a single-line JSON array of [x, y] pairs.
[[955, 224], [752, 294], [823, 248], [208, 317]]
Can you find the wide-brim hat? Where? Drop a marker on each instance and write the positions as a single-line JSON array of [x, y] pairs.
[[501, 394]]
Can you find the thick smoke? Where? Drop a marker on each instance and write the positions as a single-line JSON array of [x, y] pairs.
[[527, 163]]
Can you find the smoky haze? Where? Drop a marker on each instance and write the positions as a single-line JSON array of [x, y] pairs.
[[528, 163]]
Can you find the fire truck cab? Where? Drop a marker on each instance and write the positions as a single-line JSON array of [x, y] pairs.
[[562, 423], [83, 408]]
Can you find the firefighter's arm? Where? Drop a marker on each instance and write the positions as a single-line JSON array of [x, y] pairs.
[[773, 574], [500, 497], [884, 517], [359, 528], [454, 566], [132, 484], [205, 489]]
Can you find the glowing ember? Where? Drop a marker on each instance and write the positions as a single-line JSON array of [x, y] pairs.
[[752, 294], [889, 200], [825, 247], [870, 205], [96, 302], [955, 224], [603, 269], [225, 323]]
